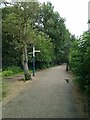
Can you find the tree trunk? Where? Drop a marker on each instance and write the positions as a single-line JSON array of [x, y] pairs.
[[25, 63]]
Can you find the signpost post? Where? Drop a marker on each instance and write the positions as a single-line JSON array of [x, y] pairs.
[[34, 59]]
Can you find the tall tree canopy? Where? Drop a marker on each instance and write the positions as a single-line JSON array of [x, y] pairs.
[[17, 26], [31, 23], [53, 25]]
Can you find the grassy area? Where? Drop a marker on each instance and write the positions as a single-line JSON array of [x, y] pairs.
[[10, 71], [3, 87]]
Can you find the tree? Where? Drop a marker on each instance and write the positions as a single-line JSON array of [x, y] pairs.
[[18, 24], [50, 22], [20, 35], [46, 47]]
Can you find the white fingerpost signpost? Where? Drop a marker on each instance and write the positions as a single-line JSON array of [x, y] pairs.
[[34, 51]]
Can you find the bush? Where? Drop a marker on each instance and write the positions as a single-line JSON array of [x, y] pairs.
[[11, 71], [79, 59]]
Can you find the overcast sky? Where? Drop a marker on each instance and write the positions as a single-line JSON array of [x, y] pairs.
[[75, 12]]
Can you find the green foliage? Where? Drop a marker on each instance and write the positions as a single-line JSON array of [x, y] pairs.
[[50, 22], [74, 56], [38, 24], [4, 89], [79, 59], [46, 47], [9, 71], [14, 20], [46, 56]]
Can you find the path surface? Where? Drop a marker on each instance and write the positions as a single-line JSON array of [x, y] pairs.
[[48, 96]]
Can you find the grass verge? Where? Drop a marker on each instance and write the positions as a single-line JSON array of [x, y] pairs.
[[10, 71]]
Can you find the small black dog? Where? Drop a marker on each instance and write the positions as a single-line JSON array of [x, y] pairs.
[[67, 80]]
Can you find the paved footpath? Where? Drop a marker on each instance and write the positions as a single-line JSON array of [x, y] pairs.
[[49, 96]]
